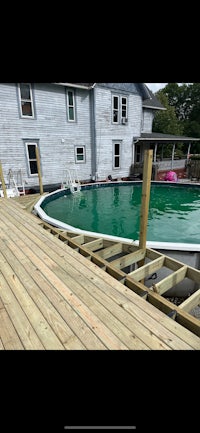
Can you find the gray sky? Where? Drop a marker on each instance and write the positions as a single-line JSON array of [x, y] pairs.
[[154, 87]]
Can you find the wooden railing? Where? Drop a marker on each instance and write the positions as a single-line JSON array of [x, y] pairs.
[[194, 168]]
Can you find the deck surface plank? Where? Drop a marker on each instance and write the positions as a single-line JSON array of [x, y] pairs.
[[79, 299], [9, 338], [138, 333], [52, 297], [1, 345], [23, 326], [51, 303]]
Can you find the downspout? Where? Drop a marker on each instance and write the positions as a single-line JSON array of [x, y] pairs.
[[173, 151], [155, 152], [93, 134], [135, 141], [188, 152]]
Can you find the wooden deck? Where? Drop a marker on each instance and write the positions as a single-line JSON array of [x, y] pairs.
[[52, 297]]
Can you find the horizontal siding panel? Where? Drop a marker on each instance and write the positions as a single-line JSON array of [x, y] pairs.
[[50, 126], [57, 137], [106, 132], [148, 121]]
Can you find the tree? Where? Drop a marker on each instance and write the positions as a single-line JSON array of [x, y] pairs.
[[179, 97], [166, 122], [183, 102]]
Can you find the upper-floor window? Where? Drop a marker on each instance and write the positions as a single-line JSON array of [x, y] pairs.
[[119, 109], [115, 115], [26, 100], [70, 106], [124, 107]]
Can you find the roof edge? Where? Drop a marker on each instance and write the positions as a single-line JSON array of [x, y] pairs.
[[78, 86]]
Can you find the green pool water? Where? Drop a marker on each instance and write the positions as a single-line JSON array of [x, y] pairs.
[[174, 211]]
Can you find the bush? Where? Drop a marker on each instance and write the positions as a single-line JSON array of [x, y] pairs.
[[195, 157]]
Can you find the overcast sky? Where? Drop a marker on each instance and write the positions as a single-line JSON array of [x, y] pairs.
[[154, 87]]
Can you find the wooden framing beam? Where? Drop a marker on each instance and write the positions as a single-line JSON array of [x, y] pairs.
[[181, 271], [170, 281], [191, 302], [173, 264], [193, 274], [94, 245], [110, 251], [146, 270], [129, 259], [152, 254]]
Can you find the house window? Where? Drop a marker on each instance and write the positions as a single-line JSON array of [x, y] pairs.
[[116, 155], [124, 107], [79, 154], [115, 115], [119, 109], [70, 106], [137, 153], [26, 100], [32, 159]]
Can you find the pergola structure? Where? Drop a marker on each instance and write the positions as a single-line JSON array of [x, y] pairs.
[[156, 138], [153, 140]]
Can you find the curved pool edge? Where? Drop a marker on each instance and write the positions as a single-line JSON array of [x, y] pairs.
[[175, 246]]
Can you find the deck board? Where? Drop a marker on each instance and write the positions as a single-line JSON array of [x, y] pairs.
[[52, 297], [50, 257], [25, 331], [1, 344]]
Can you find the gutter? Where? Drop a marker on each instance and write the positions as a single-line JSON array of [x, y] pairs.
[[153, 107], [93, 135], [78, 86]]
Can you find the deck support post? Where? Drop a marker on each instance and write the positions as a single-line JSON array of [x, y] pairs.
[[2, 181], [146, 186], [39, 170]]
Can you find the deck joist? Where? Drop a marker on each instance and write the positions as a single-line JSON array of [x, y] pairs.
[[59, 291]]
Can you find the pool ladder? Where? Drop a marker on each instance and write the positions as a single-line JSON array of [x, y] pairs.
[[71, 182]]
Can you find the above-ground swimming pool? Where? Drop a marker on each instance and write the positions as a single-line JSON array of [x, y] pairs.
[[113, 209]]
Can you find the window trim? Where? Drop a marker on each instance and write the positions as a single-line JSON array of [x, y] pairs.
[[27, 143], [126, 116], [71, 106], [84, 154], [26, 100], [117, 155], [120, 109], [113, 109]]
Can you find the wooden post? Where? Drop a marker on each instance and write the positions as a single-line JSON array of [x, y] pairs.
[[146, 186], [39, 170], [172, 161], [2, 181]]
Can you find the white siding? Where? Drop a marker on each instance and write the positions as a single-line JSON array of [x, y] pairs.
[[147, 121], [57, 138], [50, 126], [106, 132]]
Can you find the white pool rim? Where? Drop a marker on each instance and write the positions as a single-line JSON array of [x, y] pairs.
[[177, 246]]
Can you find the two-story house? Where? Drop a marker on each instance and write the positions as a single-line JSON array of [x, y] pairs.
[[99, 129]]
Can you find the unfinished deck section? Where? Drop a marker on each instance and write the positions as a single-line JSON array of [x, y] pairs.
[[123, 262], [54, 297]]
